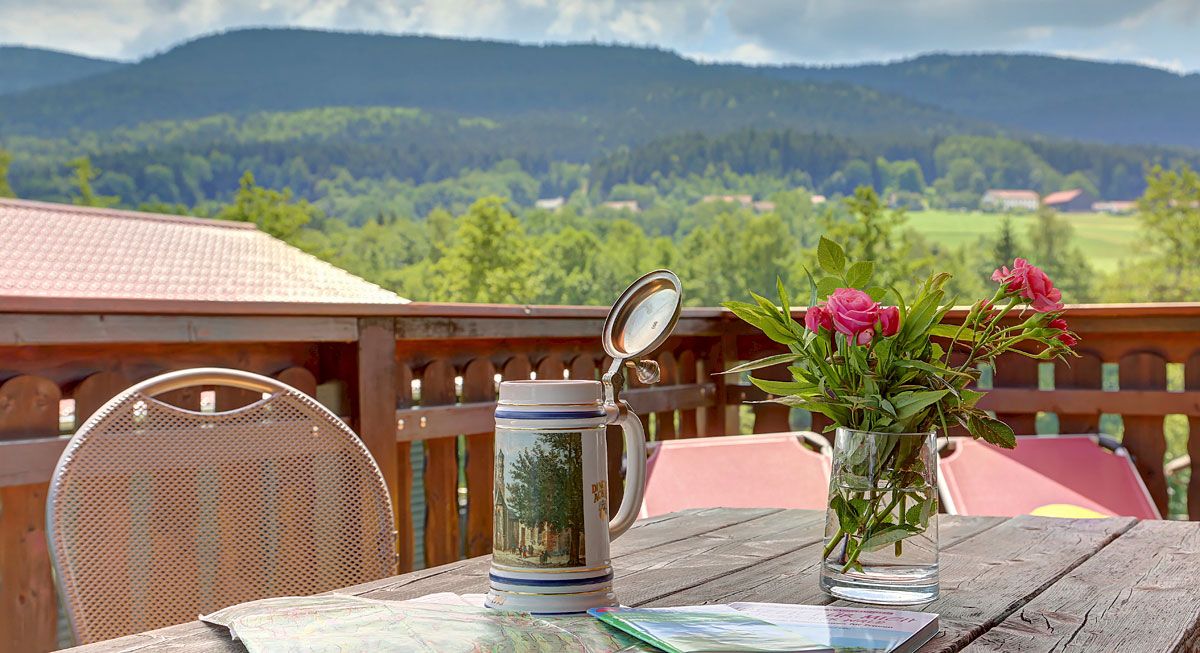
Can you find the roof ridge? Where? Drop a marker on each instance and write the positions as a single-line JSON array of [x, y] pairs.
[[125, 214]]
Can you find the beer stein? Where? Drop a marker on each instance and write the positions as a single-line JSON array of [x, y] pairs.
[[551, 520]]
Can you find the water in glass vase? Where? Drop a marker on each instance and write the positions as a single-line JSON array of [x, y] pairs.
[[881, 535]]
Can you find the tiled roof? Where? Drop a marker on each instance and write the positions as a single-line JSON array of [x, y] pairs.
[[1061, 196], [1013, 194], [60, 250]]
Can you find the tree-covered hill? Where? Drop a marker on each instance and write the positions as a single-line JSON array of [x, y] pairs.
[[1072, 98], [618, 95], [24, 68]]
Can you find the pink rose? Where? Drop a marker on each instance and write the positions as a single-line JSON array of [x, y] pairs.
[[1065, 338], [1032, 284], [853, 313], [889, 321], [816, 317]]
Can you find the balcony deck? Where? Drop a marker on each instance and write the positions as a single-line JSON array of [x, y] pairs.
[[414, 379]]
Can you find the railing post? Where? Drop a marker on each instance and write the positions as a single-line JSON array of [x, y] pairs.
[[374, 398], [722, 417]]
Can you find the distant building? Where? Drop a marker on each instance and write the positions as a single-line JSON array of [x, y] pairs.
[[1116, 208], [818, 199], [1009, 200], [764, 206], [1075, 200], [550, 203], [623, 205], [744, 200]]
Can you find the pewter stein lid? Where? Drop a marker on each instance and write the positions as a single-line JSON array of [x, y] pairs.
[[640, 321]]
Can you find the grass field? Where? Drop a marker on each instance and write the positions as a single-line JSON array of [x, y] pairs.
[[1105, 239]]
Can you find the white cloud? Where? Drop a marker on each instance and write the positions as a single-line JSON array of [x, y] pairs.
[[754, 31]]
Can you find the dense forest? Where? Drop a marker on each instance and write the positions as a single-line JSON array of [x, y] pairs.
[[419, 162]]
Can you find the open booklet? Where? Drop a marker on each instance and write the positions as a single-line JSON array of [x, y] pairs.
[[449, 622], [774, 627]]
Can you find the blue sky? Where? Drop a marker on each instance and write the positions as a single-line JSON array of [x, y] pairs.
[[1162, 33]]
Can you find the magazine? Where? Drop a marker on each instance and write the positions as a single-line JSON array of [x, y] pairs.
[[760, 627], [706, 629]]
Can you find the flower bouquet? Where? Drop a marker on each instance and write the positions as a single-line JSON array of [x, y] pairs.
[[889, 377]]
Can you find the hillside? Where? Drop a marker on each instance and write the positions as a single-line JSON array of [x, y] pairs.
[[1071, 98], [23, 68], [617, 94]]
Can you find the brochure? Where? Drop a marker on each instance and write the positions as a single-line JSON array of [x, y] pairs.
[[850, 629], [706, 629], [758, 626]]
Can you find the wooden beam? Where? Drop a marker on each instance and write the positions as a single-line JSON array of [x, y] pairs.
[[51, 329], [30, 461], [374, 405], [430, 422], [1149, 403]]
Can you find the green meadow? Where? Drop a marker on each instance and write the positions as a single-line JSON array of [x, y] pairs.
[[1106, 239]]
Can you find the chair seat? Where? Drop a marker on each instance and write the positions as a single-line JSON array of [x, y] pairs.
[[740, 471], [981, 479]]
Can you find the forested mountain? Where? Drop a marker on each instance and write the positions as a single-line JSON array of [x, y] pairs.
[[1088, 100], [26, 68], [616, 94]]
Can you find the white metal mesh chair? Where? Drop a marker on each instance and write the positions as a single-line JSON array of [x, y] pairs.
[[157, 514]]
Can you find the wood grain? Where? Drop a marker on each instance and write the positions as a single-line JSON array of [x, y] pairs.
[[479, 385], [405, 532], [1146, 370], [28, 605], [441, 473], [373, 398], [1191, 381], [1083, 373], [1137, 594]]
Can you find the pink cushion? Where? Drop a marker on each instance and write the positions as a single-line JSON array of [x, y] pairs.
[[982, 479], [738, 471]]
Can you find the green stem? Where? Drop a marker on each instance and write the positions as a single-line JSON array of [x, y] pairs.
[[833, 543]]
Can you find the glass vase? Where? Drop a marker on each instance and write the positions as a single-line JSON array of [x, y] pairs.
[[881, 533]]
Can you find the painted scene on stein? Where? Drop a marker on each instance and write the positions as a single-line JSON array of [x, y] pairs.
[[539, 500]]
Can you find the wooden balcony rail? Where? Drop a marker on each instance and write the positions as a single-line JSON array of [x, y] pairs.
[[418, 383]]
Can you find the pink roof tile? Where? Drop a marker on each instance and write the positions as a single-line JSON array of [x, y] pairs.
[[1061, 196], [61, 250]]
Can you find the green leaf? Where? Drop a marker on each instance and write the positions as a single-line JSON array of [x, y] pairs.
[[887, 536], [992, 430], [859, 274], [876, 293], [826, 286], [812, 288], [830, 256], [931, 368], [783, 298], [777, 359], [949, 331], [782, 387], [910, 403]]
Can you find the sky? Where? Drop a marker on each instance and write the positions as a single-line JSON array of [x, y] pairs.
[[1161, 33]]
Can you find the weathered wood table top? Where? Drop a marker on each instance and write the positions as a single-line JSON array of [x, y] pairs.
[[1020, 584]]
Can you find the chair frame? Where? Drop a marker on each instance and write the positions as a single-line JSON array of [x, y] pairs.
[[158, 385], [1105, 441]]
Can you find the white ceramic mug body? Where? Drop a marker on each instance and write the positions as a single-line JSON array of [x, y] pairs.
[[551, 511]]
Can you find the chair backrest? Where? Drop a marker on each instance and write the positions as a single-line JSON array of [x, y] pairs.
[[981, 479], [737, 471], [157, 514]]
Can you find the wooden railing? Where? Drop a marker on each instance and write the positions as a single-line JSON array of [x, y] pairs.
[[418, 382]]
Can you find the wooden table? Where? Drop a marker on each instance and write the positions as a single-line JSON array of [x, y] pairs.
[[1020, 584]]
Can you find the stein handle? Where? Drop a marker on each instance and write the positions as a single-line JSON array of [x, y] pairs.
[[635, 472]]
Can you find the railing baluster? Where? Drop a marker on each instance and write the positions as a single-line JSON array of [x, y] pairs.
[[441, 472], [772, 418], [1017, 371], [95, 391], [28, 607], [479, 384], [406, 533], [1191, 381], [664, 422], [615, 446], [687, 375], [1083, 373], [1146, 370]]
